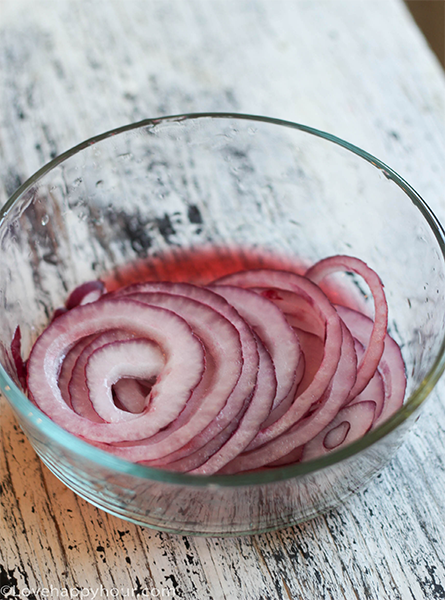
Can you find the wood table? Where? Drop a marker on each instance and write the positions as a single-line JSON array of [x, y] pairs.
[[360, 69]]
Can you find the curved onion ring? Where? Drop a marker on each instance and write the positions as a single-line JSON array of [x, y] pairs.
[[182, 349]]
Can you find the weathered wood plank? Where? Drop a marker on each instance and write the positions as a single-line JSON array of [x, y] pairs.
[[70, 69]]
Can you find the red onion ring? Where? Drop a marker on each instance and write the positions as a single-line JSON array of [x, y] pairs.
[[374, 349], [183, 350]]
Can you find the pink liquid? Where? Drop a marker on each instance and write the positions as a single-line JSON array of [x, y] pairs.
[[200, 266]]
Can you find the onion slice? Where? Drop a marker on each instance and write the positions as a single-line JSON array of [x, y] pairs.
[[16, 351], [283, 280], [224, 383], [114, 361], [77, 386], [262, 453], [184, 365], [272, 328], [391, 367], [85, 293], [374, 349], [350, 424]]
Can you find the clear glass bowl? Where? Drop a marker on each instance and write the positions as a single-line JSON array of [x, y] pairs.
[[143, 196]]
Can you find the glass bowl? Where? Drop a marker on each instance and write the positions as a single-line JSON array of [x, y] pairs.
[[195, 196]]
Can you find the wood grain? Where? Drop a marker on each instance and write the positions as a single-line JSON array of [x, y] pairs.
[[359, 69]]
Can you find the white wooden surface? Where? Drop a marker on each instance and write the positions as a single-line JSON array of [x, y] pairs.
[[358, 68]]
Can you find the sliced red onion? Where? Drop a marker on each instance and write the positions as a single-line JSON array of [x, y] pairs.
[[283, 280], [78, 389], [256, 371], [271, 326], [350, 424], [58, 312], [229, 385], [231, 441], [375, 390], [16, 351], [261, 451], [249, 360], [374, 348], [184, 365], [336, 436], [391, 367], [131, 394], [85, 293], [313, 350], [109, 363], [299, 311], [68, 364], [251, 421]]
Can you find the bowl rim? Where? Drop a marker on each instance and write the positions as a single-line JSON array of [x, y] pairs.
[[21, 404]]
